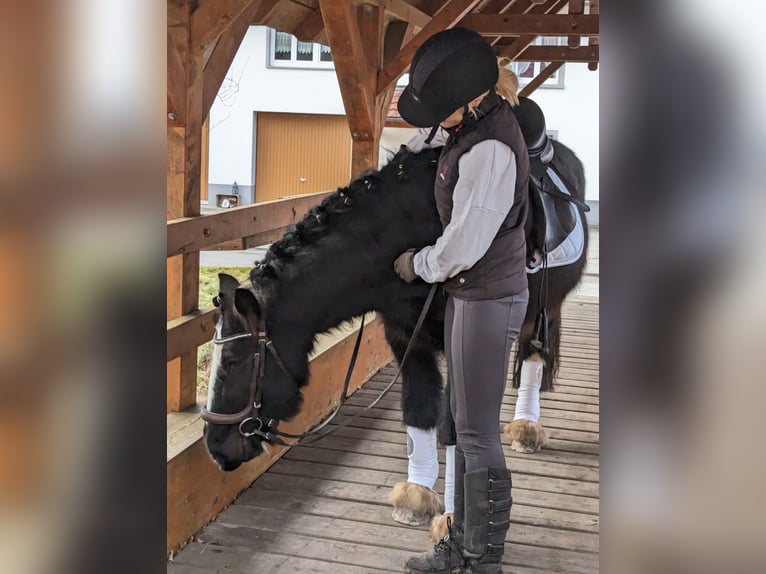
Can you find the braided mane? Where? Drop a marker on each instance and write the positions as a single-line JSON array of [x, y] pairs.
[[318, 222]]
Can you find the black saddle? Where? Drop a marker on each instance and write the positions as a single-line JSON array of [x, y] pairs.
[[552, 210]]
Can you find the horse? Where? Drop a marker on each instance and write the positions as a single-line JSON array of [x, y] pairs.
[[338, 261]]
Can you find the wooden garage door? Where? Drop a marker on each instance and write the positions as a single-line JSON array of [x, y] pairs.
[[297, 154]]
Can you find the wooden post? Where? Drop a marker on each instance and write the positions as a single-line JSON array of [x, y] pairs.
[[593, 40], [364, 153], [576, 7], [356, 64], [184, 153]]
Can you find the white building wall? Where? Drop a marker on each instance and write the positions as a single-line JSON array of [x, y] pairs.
[[252, 86], [573, 112]]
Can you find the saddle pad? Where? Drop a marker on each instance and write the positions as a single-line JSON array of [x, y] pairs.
[[572, 247]]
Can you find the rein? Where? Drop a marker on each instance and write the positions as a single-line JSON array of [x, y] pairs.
[[266, 430]]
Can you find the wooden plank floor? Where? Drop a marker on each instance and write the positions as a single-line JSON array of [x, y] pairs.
[[322, 508]]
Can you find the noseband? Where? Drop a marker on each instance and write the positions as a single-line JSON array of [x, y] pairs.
[[251, 413]]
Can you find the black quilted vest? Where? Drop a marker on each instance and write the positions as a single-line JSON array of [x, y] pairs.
[[501, 272]]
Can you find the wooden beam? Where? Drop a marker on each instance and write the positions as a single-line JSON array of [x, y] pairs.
[[502, 6], [222, 56], [541, 77], [311, 28], [212, 18], [184, 164], [576, 7], [559, 54], [404, 11], [187, 332], [350, 66], [192, 234], [397, 35], [516, 47], [593, 41], [541, 25], [266, 11], [450, 14], [176, 78]]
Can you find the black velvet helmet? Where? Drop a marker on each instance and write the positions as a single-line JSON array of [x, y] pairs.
[[449, 70]]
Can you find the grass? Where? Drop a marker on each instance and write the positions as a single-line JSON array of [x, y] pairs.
[[208, 288]]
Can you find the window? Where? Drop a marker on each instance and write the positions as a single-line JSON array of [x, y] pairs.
[[528, 71], [286, 51]]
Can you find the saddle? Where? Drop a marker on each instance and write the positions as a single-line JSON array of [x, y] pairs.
[[552, 207]]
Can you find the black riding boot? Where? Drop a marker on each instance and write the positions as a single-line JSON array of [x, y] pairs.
[[446, 557], [487, 517]]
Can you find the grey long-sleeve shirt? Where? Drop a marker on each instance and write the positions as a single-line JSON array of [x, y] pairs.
[[482, 198]]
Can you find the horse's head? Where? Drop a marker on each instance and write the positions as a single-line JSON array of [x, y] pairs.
[[250, 387]]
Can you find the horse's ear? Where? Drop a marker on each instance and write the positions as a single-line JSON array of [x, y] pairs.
[[246, 303], [227, 283]]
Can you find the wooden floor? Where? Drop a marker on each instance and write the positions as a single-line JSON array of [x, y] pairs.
[[322, 508]]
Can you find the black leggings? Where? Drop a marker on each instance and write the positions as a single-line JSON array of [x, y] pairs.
[[478, 336]]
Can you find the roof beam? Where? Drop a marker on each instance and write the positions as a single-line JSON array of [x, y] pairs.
[[350, 66], [503, 6], [576, 7], [540, 79], [540, 25], [266, 11], [559, 54], [311, 28], [404, 11], [212, 18], [593, 41], [450, 14], [516, 47]]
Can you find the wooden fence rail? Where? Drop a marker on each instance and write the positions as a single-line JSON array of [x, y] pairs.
[[264, 221]]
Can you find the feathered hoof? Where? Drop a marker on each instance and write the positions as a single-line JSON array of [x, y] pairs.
[[414, 505], [525, 436], [438, 528]]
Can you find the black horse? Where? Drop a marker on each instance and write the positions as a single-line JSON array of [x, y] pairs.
[[335, 264]]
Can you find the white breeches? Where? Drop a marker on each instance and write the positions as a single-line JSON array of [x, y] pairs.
[[528, 401], [423, 463]]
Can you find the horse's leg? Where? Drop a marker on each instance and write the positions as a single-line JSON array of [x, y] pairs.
[[525, 433], [447, 437], [533, 373], [415, 501]]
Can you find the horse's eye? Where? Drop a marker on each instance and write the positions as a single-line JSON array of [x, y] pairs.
[[236, 364]]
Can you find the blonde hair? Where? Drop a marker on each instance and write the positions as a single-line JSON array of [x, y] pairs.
[[507, 81], [507, 85]]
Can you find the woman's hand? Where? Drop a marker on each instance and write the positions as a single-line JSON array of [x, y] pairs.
[[405, 267]]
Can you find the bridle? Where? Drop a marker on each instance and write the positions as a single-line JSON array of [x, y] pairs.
[[266, 429], [252, 412]]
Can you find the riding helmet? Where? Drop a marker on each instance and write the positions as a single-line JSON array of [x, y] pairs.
[[449, 70]]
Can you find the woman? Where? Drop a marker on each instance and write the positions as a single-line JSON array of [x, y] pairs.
[[481, 195]]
